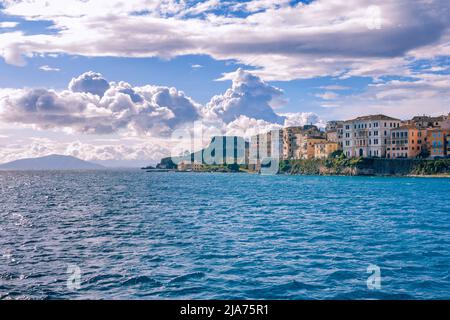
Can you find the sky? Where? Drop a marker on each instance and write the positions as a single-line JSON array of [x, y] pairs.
[[123, 82]]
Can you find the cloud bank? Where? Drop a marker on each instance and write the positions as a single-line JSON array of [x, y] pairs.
[[249, 96], [283, 40], [92, 105]]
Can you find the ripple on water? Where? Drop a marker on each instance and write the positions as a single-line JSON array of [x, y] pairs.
[[202, 236]]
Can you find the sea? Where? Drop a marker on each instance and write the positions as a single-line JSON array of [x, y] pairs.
[[131, 234]]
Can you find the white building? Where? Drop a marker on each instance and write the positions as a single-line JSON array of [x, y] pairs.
[[368, 136]]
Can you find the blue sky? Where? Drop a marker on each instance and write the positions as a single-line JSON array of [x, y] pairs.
[[196, 75], [240, 66]]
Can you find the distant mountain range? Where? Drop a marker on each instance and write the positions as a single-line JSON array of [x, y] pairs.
[[51, 162]]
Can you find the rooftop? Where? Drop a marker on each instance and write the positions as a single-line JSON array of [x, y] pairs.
[[373, 117], [406, 126]]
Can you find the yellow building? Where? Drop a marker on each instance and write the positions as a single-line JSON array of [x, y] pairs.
[[310, 143], [197, 166], [324, 149]]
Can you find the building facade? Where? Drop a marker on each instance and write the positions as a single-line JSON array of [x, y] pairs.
[[437, 142], [407, 141], [324, 149], [265, 147], [368, 136], [298, 142], [425, 122], [290, 144], [447, 142]]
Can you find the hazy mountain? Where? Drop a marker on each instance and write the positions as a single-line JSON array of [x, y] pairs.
[[51, 162]]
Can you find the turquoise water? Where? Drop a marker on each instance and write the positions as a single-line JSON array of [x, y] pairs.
[[137, 235]]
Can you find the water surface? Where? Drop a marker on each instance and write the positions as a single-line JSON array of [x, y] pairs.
[[137, 235]]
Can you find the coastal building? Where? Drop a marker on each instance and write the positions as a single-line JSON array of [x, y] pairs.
[[324, 149], [305, 142], [190, 166], [197, 166], [290, 144], [447, 142], [264, 147], [429, 122], [333, 125], [253, 158], [334, 131], [309, 145], [437, 140], [368, 136], [446, 123], [332, 136], [184, 166], [340, 136], [297, 139], [407, 141]]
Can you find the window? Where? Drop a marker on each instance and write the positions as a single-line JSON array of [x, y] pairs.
[[375, 133]]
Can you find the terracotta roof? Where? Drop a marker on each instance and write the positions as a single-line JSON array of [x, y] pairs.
[[373, 117]]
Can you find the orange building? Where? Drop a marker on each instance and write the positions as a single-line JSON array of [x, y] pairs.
[[437, 142], [407, 141]]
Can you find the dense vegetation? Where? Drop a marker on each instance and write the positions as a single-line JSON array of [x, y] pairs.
[[338, 164], [430, 167]]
